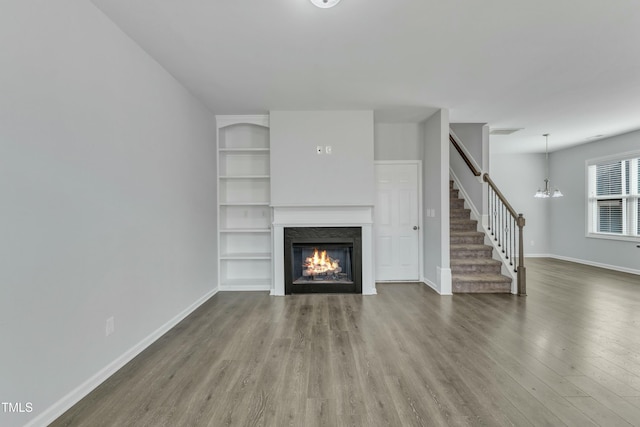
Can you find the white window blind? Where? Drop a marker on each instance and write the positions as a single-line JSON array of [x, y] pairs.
[[638, 216], [610, 216], [609, 179], [614, 202]]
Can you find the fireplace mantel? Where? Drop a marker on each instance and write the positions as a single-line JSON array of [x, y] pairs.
[[323, 216]]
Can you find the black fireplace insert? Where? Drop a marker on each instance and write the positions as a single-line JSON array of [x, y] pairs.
[[323, 260]]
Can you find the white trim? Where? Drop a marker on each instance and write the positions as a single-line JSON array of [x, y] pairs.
[[445, 283], [433, 286], [597, 264], [398, 281], [420, 223], [591, 199], [323, 216], [54, 411], [228, 120], [249, 288], [609, 236], [430, 284], [620, 156], [321, 206], [486, 166]]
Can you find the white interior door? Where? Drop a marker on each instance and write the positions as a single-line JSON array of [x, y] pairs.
[[397, 222]]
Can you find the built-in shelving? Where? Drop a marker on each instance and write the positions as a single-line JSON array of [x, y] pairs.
[[244, 214]]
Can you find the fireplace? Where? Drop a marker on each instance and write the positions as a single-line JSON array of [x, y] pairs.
[[323, 260]]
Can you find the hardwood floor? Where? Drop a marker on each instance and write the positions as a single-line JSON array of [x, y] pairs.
[[567, 354]]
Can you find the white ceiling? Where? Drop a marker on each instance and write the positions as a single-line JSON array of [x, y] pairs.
[[570, 68]]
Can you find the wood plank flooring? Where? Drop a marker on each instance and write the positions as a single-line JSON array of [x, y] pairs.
[[567, 354]]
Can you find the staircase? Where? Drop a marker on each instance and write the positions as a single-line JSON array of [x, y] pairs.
[[473, 270]]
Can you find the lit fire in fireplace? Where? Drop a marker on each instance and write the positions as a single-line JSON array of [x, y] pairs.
[[320, 264]]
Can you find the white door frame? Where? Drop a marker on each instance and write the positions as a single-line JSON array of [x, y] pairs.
[[421, 232]]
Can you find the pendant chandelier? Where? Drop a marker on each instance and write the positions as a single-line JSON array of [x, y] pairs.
[[546, 193]]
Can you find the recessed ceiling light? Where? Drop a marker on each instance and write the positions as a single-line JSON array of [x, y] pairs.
[[325, 4], [504, 131]]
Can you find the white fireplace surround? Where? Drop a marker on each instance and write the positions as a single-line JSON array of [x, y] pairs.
[[323, 216]]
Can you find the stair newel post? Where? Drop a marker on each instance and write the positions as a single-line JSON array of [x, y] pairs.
[[522, 271]]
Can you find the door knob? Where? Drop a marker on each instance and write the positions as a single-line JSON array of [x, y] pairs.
[[415, 227]]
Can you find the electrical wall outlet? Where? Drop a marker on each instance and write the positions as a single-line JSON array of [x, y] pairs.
[[110, 326]]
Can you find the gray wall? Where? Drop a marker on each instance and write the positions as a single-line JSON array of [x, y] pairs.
[[471, 135], [436, 199], [398, 141], [300, 177], [518, 176], [557, 227], [568, 214], [107, 177]]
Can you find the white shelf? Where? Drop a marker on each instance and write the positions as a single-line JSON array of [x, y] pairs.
[[244, 204], [246, 285], [244, 163], [246, 230], [242, 256], [234, 244], [244, 150], [244, 177]]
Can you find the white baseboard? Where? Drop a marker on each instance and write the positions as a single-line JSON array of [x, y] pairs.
[[596, 264], [444, 281], [246, 288], [538, 256], [429, 284], [432, 285], [62, 405]]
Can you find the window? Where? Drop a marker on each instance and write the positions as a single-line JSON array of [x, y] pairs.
[[614, 201]]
